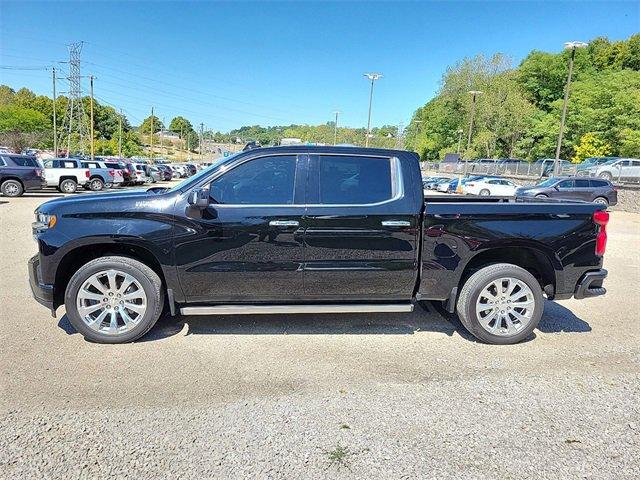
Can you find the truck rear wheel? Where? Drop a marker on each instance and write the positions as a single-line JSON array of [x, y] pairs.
[[96, 184], [114, 299], [501, 304]]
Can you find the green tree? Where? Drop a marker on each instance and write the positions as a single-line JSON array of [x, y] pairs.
[[145, 127], [14, 118], [590, 146], [180, 125], [630, 143]]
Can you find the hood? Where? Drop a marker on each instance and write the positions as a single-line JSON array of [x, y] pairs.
[[117, 200]]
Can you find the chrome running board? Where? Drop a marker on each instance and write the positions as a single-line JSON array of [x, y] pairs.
[[280, 309]]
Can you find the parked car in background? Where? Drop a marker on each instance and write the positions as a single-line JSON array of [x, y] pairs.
[[66, 174], [491, 186], [589, 165], [102, 176], [19, 173], [573, 188], [155, 174], [191, 168], [141, 174], [165, 170], [545, 167], [620, 169], [429, 183], [125, 168]]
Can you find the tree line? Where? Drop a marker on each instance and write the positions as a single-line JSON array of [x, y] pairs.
[[518, 112]]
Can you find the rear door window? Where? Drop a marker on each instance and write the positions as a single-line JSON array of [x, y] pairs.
[[582, 183], [351, 180]]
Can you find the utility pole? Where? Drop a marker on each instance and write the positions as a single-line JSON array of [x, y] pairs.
[[474, 94], [151, 133], [373, 77], [91, 110], [460, 132], [201, 138], [573, 46], [55, 123], [120, 135], [335, 128]]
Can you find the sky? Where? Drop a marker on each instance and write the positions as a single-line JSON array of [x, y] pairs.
[[229, 64]]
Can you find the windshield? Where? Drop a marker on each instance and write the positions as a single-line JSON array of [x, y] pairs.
[[203, 173], [609, 162]]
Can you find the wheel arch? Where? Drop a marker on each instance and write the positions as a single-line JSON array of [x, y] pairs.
[[79, 256], [67, 177], [534, 260], [11, 177]]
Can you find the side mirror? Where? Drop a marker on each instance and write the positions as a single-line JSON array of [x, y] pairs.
[[199, 197]]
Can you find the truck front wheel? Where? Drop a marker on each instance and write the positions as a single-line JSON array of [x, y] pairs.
[[501, 304], [114, 299]]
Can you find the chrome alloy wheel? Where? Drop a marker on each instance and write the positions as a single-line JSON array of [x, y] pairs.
[[111, 302], [11, 189], [505, 307]]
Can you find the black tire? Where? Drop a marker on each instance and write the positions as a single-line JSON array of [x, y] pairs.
[[148, 279], [472, 289], [11, 188], [601, 201], [484, 192], [96, 184], [606, 176], [68, 186]]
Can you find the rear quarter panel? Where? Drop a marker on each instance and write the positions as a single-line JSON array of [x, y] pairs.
[[454, 233]]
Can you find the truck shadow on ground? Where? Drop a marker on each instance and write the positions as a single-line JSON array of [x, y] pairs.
[[426, 318]]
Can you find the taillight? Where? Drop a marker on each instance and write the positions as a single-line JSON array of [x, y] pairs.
[[112, 172], [601, 218], [87, 173], [38, 172]]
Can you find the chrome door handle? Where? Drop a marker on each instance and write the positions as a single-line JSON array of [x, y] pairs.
[[395, 223], [284, 223]]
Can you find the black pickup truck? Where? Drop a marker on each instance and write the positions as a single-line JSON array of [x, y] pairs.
[[308, 229]]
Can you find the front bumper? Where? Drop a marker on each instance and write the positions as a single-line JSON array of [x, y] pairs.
[[42, 292], [590, 285]]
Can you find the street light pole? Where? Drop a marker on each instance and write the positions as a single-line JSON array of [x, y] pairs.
[[474, 96], [373, 77], [460, 132], [569, 46], [335, 128]]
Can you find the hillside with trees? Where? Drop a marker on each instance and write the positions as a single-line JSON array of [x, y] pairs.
[[518, 113]]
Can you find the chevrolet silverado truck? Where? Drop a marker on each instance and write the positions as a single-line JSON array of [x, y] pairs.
[[311, 229]]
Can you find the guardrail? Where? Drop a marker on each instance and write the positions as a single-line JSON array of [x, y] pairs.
[[530, 171]]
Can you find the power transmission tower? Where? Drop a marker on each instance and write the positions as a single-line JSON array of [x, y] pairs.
[[75, 124]]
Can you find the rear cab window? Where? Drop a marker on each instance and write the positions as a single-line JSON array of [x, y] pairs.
[[355, 180]]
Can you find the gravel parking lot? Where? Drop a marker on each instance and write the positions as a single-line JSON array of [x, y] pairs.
[[350, 396]]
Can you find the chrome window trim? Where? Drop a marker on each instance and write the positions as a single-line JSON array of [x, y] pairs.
[[397, 184]]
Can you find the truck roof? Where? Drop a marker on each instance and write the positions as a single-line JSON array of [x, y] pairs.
[[335, 149]]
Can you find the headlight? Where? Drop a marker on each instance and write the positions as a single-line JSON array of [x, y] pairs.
[[44, 221]]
